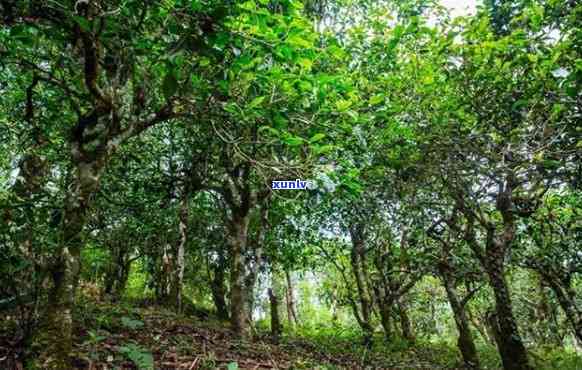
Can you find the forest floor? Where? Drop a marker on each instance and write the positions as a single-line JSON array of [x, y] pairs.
[[136, 335], [129, 337], [140, 335]]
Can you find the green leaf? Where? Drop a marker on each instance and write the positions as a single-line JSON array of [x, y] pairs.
[[376, 99], [256, 102], [232, 366], [131, 323], [337, 52], [140, 356], [305, 86], [305, 63], [196, 5], [83, 23], [299, 41], [551, 164], [249, 5], [270, 130], [280, 121], [293, 140], [315, 138], [169, 85], [232, 108], [343, 105], [321, 149]]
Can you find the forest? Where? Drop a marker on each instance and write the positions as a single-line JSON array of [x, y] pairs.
[[291, 184]]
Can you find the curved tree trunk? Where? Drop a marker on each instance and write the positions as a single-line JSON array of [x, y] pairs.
[[358, 269], [511, 348], [567, 300], [465, 342], [57, 329], [406, 325], [509, 343]]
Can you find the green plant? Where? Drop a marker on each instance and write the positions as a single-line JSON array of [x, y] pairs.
[[94, 338], [131, 323], [209, 362], [140, 356]]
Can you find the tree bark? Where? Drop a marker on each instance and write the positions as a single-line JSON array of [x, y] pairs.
[[249, 282], [547, 327], [255, 259], [291, 312], [509, 343], [118, 272], [388, 291], [567, 300], [386, 320], [275, 320], [511, 348], [406, 325], [334, 304], [217, 287], [179, 267], [93, 140], [238, 229], [358, 255], [56, 332], [165, 273], [481, 328], [465, 341], [31, 179]]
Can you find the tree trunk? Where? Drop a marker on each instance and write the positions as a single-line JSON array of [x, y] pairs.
[[291, 312], [118, 272], [57, 328], [165, 273], [275, 321], [250, 281], [218, 289], [567, 300], [465, 341], [481, 328], [334, 304], [407, 331], [238, 229], [179, 266], [386, 320], [545, 315], [511, 348], [170, 280], [254, 261], [28, 281], [123, 276], [56, 332], [358, 269], [31, 180]]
